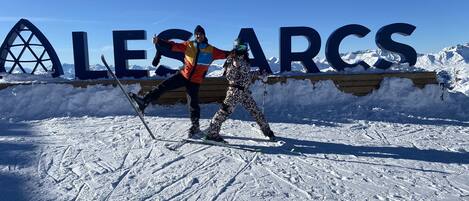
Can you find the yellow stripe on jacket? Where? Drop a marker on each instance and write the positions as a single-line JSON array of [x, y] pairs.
[[196, 72]]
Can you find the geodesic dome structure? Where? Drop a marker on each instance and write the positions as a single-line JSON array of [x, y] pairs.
[[27, 50]]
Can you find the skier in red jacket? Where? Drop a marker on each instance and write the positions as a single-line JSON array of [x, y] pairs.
[[198, 55]]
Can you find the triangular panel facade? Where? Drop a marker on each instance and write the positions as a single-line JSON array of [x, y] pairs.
[[27, 50]]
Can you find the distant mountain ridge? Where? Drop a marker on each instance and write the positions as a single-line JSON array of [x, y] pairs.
[[454, 55]]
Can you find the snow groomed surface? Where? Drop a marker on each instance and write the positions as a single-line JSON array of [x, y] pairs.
[[400, 142], [85, 144]]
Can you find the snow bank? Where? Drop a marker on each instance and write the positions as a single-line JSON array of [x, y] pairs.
[[294, 96], [395, 95], [55, 100], [400, 95], [21, 78]]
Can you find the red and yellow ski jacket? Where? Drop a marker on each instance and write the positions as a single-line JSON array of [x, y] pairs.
[[197, 58]]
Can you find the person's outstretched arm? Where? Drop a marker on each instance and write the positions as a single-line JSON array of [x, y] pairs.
[[176, 47], [220, 54]]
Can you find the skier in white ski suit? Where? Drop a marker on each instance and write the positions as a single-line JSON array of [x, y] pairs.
[[237, 71]]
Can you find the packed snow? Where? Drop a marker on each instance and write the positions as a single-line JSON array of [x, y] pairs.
[[397, 143]]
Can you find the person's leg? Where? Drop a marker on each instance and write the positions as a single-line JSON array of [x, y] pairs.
[[173, 82], [192, 93], [250, 105], [222, 114]]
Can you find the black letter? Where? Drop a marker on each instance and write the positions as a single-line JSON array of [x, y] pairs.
[[306, 57], [384, 41], [80, 55], [168, 35], [249, 36], [333, 43], [122, 55]]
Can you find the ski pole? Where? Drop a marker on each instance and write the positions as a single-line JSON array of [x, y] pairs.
[[264, 94]]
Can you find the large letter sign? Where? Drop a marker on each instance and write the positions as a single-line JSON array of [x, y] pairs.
[[306, 57], [122, 55], [333, 43], [384, 41], [80, 55], [249, 36]]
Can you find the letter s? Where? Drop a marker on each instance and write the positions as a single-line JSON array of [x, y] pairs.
[[385, 42]]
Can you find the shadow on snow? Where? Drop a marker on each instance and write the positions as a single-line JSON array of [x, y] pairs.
[[14, 155], [328, 116], [306, 147]]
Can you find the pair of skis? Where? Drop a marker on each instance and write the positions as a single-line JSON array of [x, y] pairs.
[[179, 143]]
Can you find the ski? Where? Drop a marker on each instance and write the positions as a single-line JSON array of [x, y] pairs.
[[213, 143], [221, 144], [175, 146], [140, 115]]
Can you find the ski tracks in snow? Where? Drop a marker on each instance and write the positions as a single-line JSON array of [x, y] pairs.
[[232, 179], [109, 159]]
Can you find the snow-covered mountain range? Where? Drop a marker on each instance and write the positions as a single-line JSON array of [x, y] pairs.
[[451, 64], [455, 55]]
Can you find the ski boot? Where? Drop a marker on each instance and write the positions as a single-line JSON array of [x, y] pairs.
[[142, 104], [270, 135], [215, 138], [194, 132]]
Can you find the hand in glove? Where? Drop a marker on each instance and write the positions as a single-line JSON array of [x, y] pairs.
[[155, 39], [264, 78]]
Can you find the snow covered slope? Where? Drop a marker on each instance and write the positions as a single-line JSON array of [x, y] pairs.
[[328, 155], [398, 143]]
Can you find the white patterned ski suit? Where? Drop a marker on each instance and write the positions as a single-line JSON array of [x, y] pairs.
[[237, 72]]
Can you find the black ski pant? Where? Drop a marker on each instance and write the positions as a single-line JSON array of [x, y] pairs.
[[192, 94]]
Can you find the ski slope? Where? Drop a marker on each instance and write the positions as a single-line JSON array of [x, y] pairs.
[[398, 143], [113, 158]]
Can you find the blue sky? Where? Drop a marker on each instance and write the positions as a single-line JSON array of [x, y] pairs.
[[439, 23]]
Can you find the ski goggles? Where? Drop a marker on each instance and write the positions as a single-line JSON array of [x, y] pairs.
[[241, 47]]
